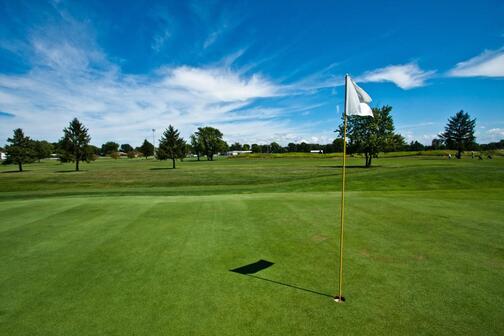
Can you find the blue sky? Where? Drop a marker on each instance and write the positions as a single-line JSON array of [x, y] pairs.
[[260, 71]]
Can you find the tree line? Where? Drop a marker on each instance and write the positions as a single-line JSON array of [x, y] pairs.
[[371, 136], [75, 146], [365, 135]]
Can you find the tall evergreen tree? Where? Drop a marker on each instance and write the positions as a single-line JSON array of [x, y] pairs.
[[459, 132], [75, 142], [147, 149], [20, 150], [171, 146]]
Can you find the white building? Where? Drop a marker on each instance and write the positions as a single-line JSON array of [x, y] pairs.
[[237, 152], [317, 151], [3, 156]]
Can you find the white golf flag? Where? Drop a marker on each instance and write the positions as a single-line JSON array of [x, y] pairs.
[[357, 100]]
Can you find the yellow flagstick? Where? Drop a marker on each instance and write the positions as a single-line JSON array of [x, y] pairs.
[[340, 297]]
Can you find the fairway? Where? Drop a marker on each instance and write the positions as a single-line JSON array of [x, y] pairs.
[[129, 247]]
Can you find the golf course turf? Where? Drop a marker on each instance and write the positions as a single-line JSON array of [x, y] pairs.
[[130, 247]]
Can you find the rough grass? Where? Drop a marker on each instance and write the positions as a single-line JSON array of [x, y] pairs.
[[128, 248]]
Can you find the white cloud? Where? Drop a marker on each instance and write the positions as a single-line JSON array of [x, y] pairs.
[[220, 84], [405, 76], [494, 134], [71, 76], [487, 64], [498, 133], [124, 108]]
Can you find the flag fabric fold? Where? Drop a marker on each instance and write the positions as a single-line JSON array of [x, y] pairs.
[[357, 100]]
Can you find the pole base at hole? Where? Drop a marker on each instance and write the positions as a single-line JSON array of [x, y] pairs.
[[337, 298]]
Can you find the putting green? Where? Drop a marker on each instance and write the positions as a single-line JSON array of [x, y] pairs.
[[417, 262]]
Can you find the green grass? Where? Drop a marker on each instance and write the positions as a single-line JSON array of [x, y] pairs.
[[129, 248]]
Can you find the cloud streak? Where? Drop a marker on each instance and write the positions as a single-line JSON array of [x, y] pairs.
[[490, 63], [406, 76]]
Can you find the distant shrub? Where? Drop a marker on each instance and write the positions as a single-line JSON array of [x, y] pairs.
[[115, 155]]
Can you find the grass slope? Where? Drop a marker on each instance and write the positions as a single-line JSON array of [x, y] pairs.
[[423, 248]]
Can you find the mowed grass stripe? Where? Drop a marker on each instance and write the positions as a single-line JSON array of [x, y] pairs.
[[65, 266], [432, 257]]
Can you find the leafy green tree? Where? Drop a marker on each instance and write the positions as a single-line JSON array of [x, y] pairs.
[[493, 145], [212, 141], [459, 133], [246, 147], [275, 148], [337, 145], [109, 148], [236, 147], [92, 153], [187, 148], [369, 135], [147, 149], [437, 144], [291, 147], [395, 143], [126, 148], [59, 148], [42, 149], [256, 148], [197, 145], [303, 147], [416, 146], [20, 150], [171, 146], [75, 142]]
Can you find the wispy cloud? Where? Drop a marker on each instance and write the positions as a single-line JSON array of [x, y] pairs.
[[405, 76], [67, 81], [212, 37], [490, 63], [159, 40]]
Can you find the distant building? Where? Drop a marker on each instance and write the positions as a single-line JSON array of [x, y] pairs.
[[317, 151], [237, 152], [3, 156]]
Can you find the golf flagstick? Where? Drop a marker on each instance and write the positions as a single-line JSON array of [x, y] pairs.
[[339, 297], [356, 104]]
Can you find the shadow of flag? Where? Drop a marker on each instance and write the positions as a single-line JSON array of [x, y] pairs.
[[253, 268]]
